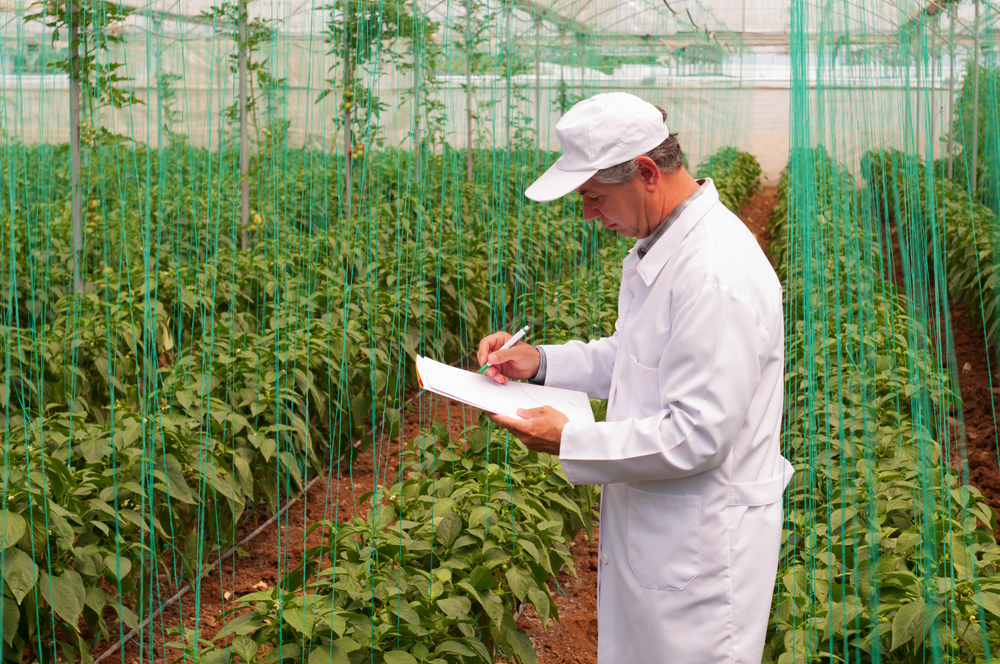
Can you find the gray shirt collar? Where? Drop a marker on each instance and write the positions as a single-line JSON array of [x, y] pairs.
[[648, 243]]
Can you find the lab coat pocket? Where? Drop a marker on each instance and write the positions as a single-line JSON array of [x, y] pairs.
[[664, 539], [644, 390]]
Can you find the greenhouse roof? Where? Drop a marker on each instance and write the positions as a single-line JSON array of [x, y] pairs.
[[748, 21]]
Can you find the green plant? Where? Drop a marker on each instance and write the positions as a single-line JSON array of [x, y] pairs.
[[736, 175], [886, 555], [468, 533]]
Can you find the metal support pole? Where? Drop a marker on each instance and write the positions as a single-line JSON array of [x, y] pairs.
[[416, 108], [538, 83], [74, 143], [241, 27], [508, 83], [951, 97], [348, 84], [975, 105], [918, 56], [158, 73], [469, 53]]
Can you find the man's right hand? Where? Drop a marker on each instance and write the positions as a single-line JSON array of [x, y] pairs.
[[519, 361]]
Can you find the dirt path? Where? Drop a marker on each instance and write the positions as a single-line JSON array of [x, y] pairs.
[[980, 399], [979, 387]]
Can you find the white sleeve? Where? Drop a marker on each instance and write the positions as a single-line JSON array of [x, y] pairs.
[[707, 376], [586, 367]]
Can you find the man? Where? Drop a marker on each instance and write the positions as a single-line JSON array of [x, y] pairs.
[[689, 455]]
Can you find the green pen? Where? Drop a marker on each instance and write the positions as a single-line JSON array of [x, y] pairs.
[[510, 342]]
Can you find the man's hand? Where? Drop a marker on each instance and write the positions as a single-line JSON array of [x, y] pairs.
[[540, 430], [519, 361]]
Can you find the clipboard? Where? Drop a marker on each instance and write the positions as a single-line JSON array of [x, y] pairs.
[[481, 392]]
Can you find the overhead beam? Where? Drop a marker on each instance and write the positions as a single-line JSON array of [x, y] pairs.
[[544, 13]]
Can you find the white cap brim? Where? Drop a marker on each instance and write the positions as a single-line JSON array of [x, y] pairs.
[[556, 183]]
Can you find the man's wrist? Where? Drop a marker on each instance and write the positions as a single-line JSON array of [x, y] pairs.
[[539, 377]]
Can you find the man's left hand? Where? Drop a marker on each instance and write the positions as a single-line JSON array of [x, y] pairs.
[[540, 430]]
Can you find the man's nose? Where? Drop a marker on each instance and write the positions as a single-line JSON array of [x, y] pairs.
[[590, 210]]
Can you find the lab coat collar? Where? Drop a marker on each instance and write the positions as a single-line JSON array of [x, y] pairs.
[[660, 253]]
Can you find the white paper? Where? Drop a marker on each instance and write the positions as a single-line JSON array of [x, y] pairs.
[[481, 392]]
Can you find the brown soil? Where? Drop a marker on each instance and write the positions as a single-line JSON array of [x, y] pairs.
[[979, 392], [979, 400], [756, 214]]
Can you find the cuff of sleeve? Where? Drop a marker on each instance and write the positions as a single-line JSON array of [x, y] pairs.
[[566, 459], [539, 377]]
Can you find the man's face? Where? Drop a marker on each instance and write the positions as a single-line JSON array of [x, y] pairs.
[[617, 206]]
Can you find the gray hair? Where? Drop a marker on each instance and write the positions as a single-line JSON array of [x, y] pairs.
[[667, 156]]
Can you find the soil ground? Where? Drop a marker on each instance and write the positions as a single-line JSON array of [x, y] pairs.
[[573, 640]]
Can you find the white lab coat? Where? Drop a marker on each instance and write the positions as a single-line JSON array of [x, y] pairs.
[[689, 455]]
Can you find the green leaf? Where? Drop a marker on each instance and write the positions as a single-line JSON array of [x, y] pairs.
[[909, 622], [493, 606], [542, 602], [120, 566], [455, 607], [96, 599], [94, 448], [521, 647], [245, 647], [290, 651], [331, 654], [11, 617], [449, 528], [244, 624], [126, 615], [519, 582], [20, 572], [301, 621], [456, 647], [399, 657], [62, 594], [482, 516], [480, 578], [177, 483], [989, 601], [13, 527], [407, 614], [134, 518], [336, 623]]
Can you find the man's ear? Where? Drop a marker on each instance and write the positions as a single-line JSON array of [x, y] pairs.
[[649, 172]]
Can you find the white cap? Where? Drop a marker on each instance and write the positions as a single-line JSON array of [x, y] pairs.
[[598, 133]]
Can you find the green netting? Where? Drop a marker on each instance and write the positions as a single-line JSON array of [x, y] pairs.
[[227, 229]]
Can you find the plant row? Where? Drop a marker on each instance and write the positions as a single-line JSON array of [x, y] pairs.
[[736, 175], [887, 556], [938, 214], [469, 533], [194, 380]]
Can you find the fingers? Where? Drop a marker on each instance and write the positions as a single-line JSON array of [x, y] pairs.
[[494, 373], [501, 356], [533, 413], [502, 420], [489, 344]]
